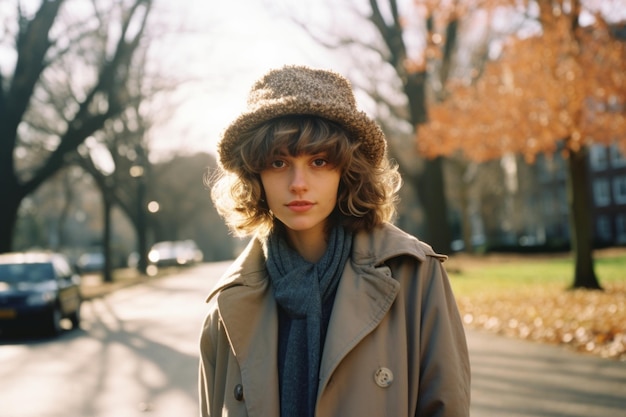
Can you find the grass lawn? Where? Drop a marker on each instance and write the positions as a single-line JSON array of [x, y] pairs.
[[495, 273], [528, 296]]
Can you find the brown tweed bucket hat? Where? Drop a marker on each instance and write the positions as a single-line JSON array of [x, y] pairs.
[[299, 90]]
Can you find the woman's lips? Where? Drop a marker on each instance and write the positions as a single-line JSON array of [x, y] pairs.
[[300, 205]]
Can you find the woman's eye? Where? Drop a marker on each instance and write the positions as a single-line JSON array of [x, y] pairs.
[[277, 164], [319, 162]]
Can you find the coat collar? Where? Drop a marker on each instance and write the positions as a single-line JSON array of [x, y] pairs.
[[248, 269], [386, 242], [369, 248]]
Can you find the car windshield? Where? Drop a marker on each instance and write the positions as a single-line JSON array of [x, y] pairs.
[[32, 272]]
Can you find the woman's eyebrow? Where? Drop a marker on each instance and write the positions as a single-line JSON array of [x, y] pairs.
[[280, 152]]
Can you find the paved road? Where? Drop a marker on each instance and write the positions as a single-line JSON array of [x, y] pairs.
[[514, 378], [136, 355]]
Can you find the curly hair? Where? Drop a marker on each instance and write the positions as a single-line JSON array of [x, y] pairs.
[[366, 197]]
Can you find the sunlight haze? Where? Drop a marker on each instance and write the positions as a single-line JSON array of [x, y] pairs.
[[224, 47]]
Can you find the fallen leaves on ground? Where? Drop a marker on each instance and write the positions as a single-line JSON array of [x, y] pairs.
[[588, 321]]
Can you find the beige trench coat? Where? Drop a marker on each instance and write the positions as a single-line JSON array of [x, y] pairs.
[[395, 344]]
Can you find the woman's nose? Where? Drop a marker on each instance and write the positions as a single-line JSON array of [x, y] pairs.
[[298, 180]]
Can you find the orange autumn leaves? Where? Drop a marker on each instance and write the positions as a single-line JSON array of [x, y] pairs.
[[588, 321], [561, 84]]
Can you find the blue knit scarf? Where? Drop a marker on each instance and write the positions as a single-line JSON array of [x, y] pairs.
[[304, 292]]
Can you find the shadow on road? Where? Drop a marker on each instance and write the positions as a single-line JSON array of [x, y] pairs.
[[519, 378]]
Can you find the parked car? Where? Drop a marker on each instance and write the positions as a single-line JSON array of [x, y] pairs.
[[90, 262], [37, 291], [175, 253]]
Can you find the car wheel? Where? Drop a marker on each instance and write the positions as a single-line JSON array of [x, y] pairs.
[[53, 325], [75, 318]]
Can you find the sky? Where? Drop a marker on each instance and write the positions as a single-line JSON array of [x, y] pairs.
[[224, 47]]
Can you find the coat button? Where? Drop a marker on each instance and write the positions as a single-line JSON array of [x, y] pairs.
[[238, 392], [383, 377]]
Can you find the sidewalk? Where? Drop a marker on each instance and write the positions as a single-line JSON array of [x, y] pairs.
[[92, 286], [517, 378]]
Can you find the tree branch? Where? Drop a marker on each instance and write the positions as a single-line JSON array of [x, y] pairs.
[[110, 86], [32, 44]]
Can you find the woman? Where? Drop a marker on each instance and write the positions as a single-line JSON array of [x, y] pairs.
[[330, 310]]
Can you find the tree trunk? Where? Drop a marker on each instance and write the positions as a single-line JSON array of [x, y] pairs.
[[107, 273], [579, 197], [466, 217], [431, 191], [8, 216], [142, 241], [430, 182], [68, 197]]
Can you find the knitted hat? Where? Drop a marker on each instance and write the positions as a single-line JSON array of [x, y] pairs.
[[299, 90]]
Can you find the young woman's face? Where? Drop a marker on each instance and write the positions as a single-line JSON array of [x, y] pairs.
[[301, 191]]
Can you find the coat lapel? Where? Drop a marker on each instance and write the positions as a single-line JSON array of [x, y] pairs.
[[363, 298], [366, 292], [248, 312]]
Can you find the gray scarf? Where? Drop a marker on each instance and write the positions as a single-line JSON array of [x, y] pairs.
[[303, 290]]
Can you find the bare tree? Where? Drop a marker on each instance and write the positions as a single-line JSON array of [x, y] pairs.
[[123, 141], [46, 110]]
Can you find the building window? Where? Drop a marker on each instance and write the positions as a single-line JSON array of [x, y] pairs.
[[547, 202], [603, 226], [601, 192], [561, 167], [545, 168], [619, 189], [598, 157], [618, 159], [620, 228], [562, 201]]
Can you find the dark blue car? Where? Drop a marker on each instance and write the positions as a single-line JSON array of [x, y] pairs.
[[37, 291]]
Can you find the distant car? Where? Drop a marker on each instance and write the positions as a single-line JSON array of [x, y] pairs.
[[37, 291], [175, 253], [90, 262]]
